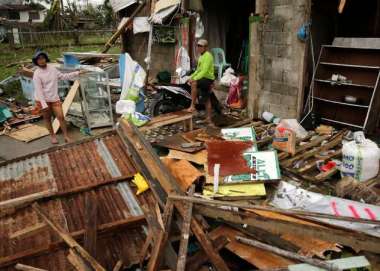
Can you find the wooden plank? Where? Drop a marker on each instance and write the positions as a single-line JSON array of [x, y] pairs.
[[90, 223], [198, 259], [257, 257], [77, 262], [159, 244], [331, 144], [199, 158], [356, 240], [70, 241], [304, 147], [118, 266], [12, 203], [300, 213], [166, 119], [288, 254], [67, 103], [313, 164], [185, 234], [28, 231], [24, 267]]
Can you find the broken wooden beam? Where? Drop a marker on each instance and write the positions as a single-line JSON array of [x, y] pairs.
[[66, 104], [24, 267], [28, 231], [198, 259], [288, 254], [358, 241], [185, 234], [160, 241], [118, 266], [203, 201], [77, 262], [271, 209], [70, 241]]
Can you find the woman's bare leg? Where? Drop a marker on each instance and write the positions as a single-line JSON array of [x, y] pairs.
[[46, 114]]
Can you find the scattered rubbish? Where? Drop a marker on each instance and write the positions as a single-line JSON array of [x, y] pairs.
[[269, 117], [284, 140], [141, 183], [288, 196]]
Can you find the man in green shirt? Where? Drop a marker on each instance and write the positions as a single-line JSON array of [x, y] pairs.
[[202, 78]]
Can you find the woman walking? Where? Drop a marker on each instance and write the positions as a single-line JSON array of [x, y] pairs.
[[45, 80]]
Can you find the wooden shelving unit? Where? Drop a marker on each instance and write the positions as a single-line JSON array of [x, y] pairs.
[[361, 67]]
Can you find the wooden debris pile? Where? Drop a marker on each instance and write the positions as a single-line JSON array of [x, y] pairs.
[[198, 225]]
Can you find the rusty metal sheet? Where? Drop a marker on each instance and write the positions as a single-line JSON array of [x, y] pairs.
[[26, 177], [184, 172], [230, 156], [260, 258], [63, 169]]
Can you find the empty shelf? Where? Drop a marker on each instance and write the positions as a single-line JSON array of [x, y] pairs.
[[343, 123], [337, 83], [350, 65], [341, 103]]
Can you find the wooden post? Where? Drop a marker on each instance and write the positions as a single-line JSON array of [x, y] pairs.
[[68, 239], [185, 234], [288, 254], [122, 28], [90, 221]]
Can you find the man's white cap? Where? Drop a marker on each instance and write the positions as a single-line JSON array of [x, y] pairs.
[[202, 42]]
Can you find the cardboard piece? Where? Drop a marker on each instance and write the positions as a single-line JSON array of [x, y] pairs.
[[265, 164], [28, 132]]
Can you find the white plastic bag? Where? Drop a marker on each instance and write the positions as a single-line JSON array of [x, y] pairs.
[[228, 77], [293, 125], [360, 158], [134, 79], [125, 107]]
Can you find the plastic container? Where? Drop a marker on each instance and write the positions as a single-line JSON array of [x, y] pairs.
[[269, 117], [360, 158]]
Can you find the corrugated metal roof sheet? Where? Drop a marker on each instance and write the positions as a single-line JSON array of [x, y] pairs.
[[63, 169]]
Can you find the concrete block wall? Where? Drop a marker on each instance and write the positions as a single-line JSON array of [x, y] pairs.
[[277, 60], [162, 55]]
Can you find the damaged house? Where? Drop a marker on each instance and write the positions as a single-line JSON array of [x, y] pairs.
[[290, 183], [278, 46]]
